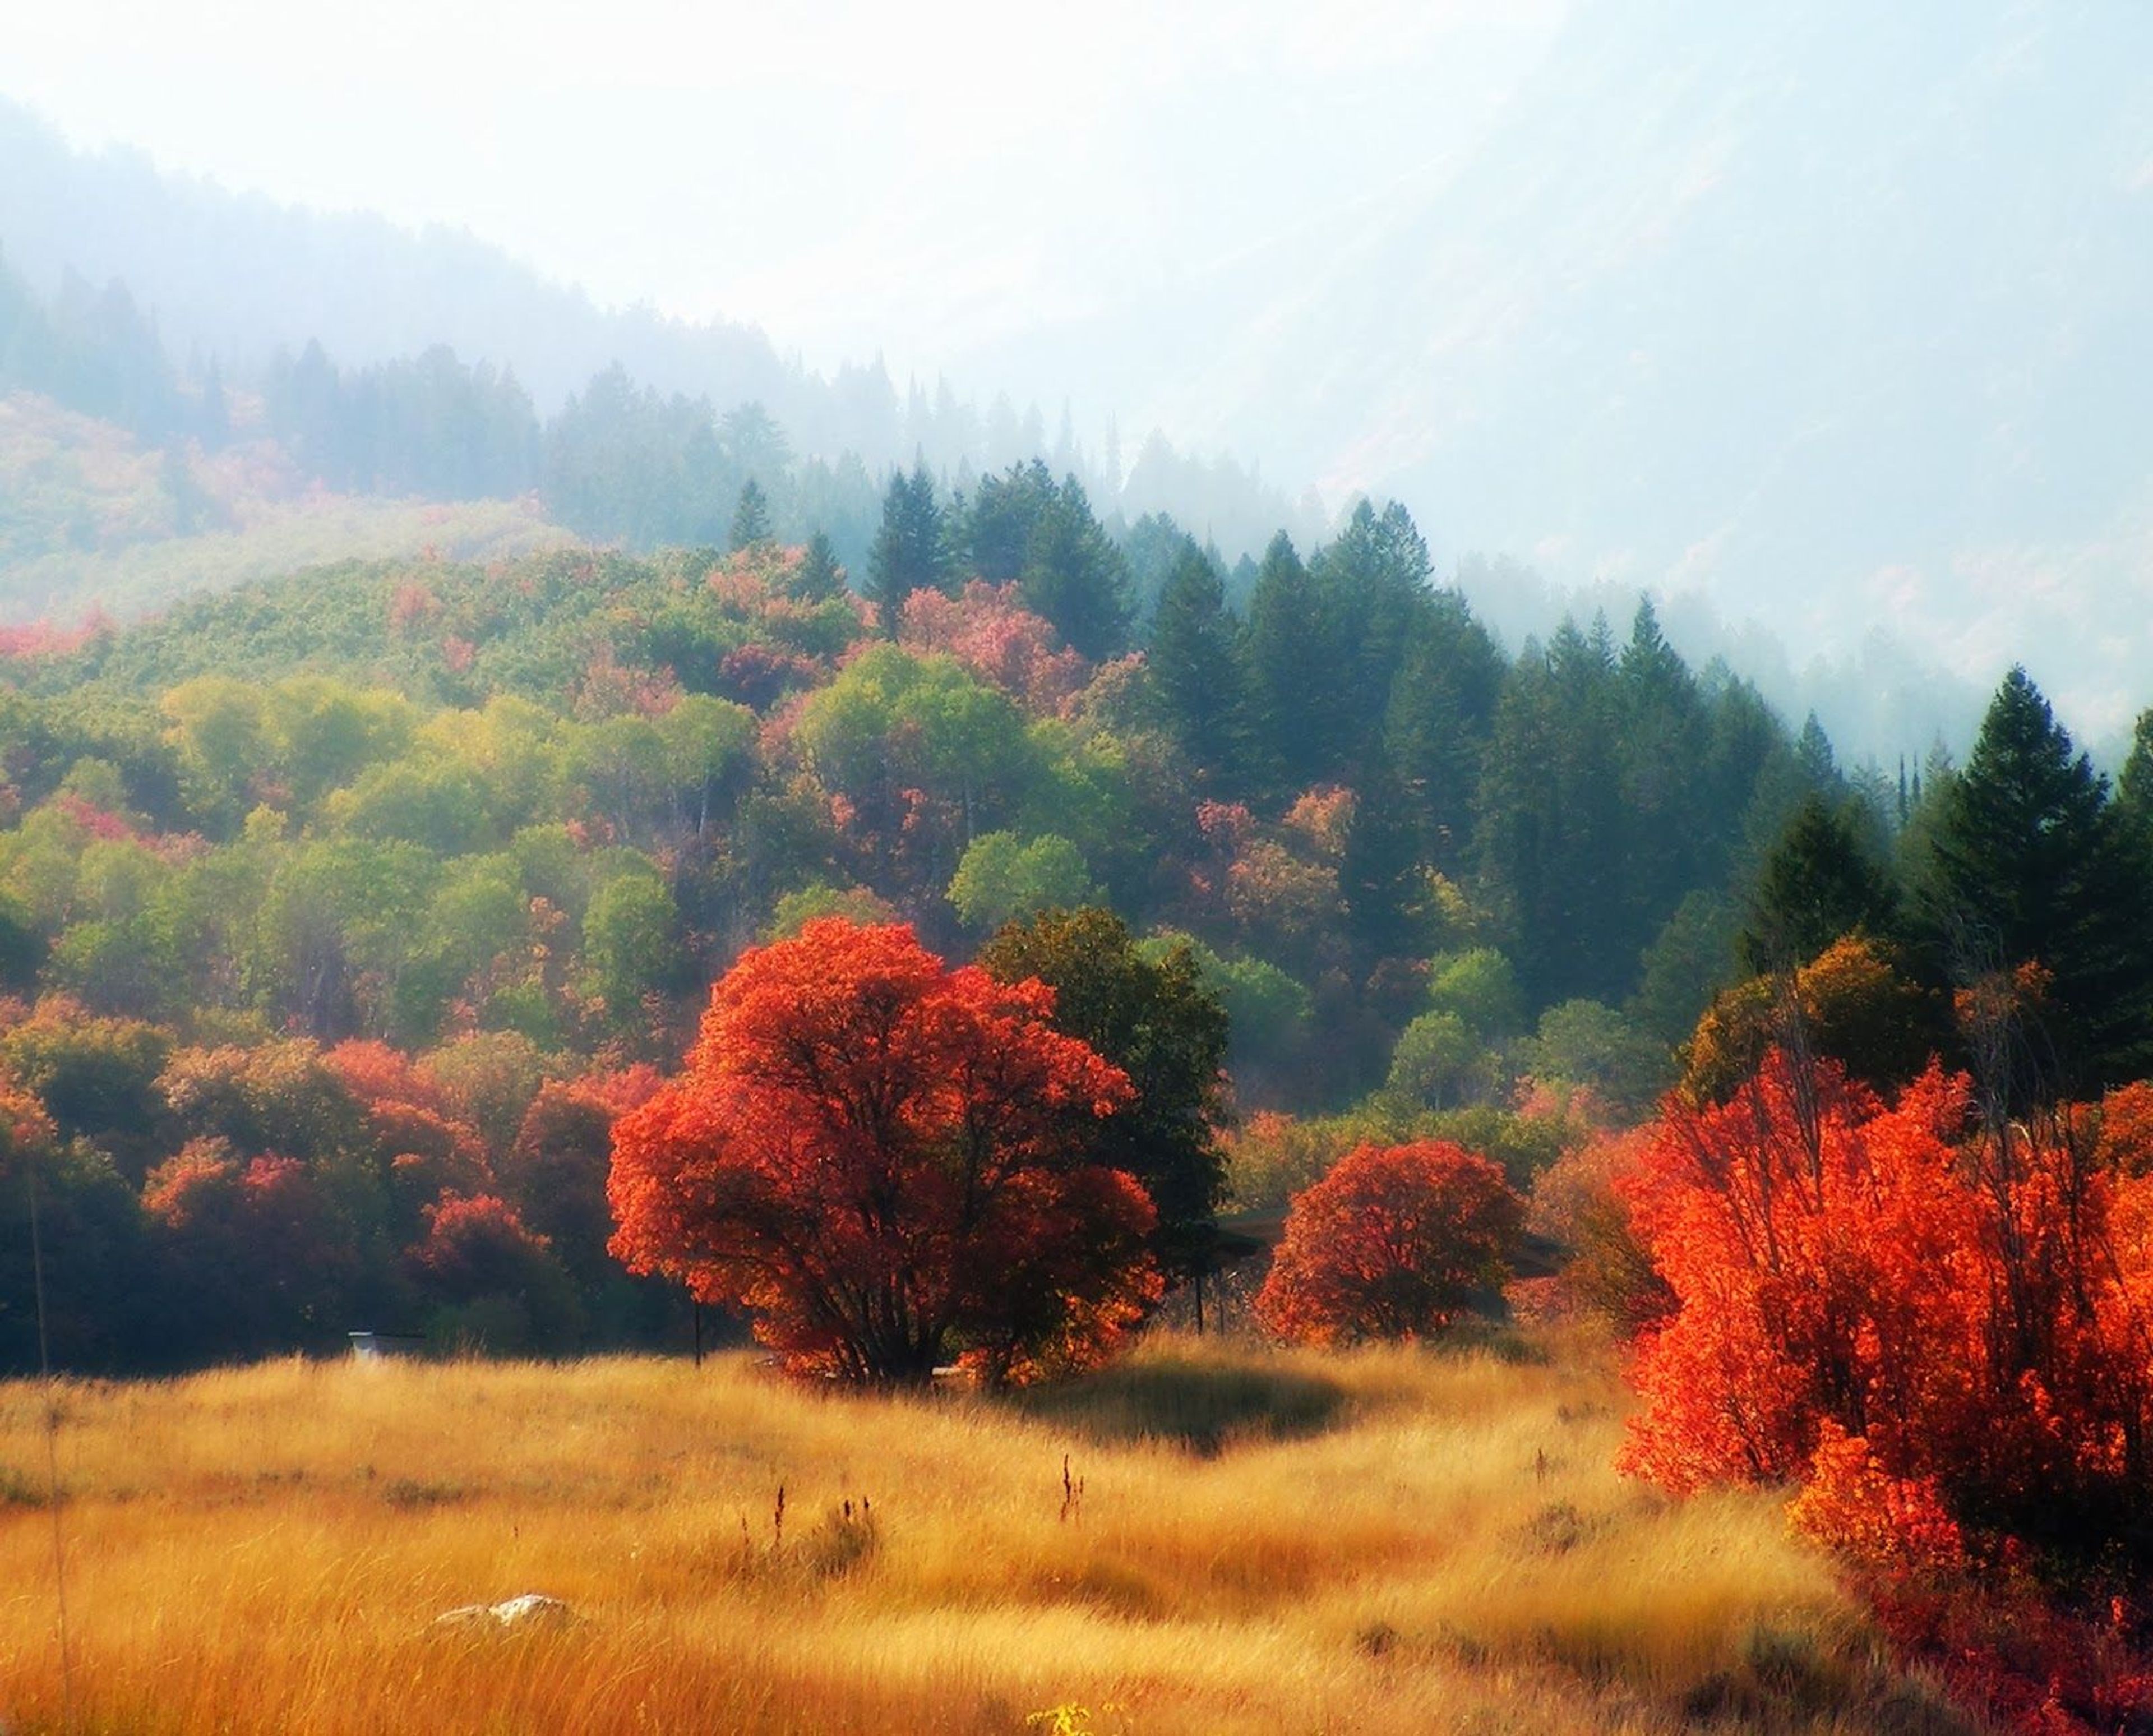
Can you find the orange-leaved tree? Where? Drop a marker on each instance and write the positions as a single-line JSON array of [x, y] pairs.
[[1952, 1315], [873, 1156], [1392, 1243]]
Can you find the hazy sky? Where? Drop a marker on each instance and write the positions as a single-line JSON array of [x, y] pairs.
[[852, 176]]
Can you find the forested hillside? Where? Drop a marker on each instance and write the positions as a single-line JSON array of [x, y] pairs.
[[366, 898]]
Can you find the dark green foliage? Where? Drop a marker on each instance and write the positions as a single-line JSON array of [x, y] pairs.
[[1819, 883], [1371, 585], [908, 555], [1192, 666], [2031, 863], [1442, 705], [750, 517], [1153, 1018], [1001, 519], [1021, 528], [818, 578], [1380, 879], [1553, 824], [101, 1313], [1295, 681], [1074, 575], [427, 426]]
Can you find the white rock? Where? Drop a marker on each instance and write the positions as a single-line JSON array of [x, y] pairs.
[[533, 1609]]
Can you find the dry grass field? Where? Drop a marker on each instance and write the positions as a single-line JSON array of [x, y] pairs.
[[1248, 1541]]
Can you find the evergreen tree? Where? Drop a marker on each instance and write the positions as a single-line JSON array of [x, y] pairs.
[[1074, 575], [1663, 738], [1294, 683], [818, 578], [1380, 878], [1371, 586], [2031, 862], [1551, 826], [750, 518], [995, 529], [1193, 667], [1818, 883], [2134, 788], [908, 554], [1442, 705]]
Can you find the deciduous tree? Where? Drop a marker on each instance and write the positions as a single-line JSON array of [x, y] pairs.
[[871, 1155], [1393, 1243]]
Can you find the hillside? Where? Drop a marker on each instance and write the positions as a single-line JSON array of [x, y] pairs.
[[93, 517]]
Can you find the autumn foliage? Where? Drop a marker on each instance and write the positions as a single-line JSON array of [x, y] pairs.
[[1971, 1302], [1934, 1322], [1392, 1243], [873, 1156]]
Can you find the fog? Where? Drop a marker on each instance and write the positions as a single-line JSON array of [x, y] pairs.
[[1826, 320]]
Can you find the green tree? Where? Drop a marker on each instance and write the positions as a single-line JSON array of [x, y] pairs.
[[750, 517], [1380, 879], [1153, 1018], [1551, 826], [1192, 666], [1371, 585], [2031, 862], [1481, 989], [1584, 1042], [631, 944], [1074, 575], [908, 554], [1441, 1063], [1001, 878], [818, 578], [1441, 707], [1819, 883], [1294, 680]]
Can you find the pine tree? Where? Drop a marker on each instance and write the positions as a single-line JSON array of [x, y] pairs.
[[1371, 586], [996, 527], [818, 578], [2032, 863], [1193, 667], [908, 554], [1075, 577], [1441, 706], [1295, 682], [750, 518], [1380, 878], [1552, 827], [1818, 884]]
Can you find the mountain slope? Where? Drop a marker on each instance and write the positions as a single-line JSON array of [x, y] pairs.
[[1832, 312]]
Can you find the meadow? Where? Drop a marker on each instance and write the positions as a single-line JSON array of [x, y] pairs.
[[1208, 1537]]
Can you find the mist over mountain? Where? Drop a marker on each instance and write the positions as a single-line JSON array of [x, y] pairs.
[[1820, 325], [1831, 315]]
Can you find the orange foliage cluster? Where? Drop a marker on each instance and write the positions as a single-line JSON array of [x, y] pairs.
[[1938, 1328], [873, 1155], [1393, 1243]]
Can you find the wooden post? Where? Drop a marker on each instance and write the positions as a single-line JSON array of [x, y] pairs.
[[697, 1307]]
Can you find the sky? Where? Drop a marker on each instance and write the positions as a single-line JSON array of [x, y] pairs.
[[855, 178]]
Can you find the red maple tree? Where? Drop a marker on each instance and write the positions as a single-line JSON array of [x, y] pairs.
[[1392, 1243], [873, 1156]]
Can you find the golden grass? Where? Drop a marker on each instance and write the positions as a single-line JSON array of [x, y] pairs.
[[1383, 1541]]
